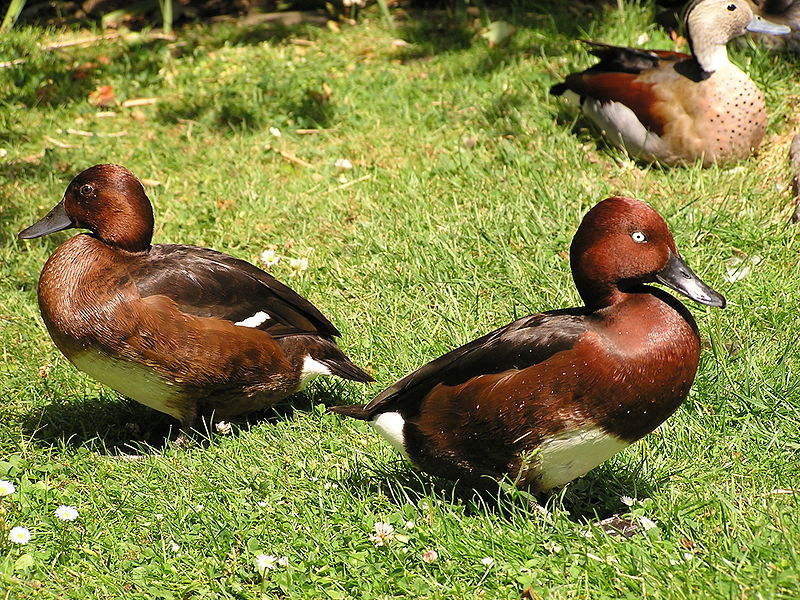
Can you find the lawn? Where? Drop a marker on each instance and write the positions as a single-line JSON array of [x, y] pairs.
[[466, 184]]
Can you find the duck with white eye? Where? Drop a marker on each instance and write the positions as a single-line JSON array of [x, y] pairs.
[[550, 396]]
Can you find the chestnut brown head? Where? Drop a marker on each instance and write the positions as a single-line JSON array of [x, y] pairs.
[[622, 244], [109, 201]]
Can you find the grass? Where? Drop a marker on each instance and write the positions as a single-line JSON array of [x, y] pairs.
[[467, 185]]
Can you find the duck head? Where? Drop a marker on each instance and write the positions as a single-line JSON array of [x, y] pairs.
[[711, 24], [623, 244], [109, 201]]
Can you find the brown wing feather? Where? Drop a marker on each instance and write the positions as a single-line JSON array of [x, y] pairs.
[[625, 88]]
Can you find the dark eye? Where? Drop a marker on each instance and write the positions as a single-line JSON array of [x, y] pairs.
[[638, 237], [731, 7], [87, 190]]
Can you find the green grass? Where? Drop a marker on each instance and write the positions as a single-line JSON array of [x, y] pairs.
[[468, 184]]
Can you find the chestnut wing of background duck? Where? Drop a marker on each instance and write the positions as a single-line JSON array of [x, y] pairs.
[[616, 79], [206, 283]]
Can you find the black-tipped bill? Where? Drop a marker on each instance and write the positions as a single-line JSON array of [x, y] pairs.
[[56, 220], [761, 25], [678, 276]]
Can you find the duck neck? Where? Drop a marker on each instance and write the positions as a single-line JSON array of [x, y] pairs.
[[711, 57], [598, 296], [133, 232]]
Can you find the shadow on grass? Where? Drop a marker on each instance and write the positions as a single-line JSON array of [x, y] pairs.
[[433, 31], [111, 425], [592, 498]]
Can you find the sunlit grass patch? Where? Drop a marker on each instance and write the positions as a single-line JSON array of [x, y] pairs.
[[420, 194]]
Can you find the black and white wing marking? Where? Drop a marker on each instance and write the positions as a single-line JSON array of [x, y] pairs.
[[207, 283]]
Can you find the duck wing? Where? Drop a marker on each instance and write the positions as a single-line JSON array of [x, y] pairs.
[[207, 283], [518, 345], [623, 75], [621, 59]]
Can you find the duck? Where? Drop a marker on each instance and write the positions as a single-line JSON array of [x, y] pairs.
[[674, 108], [188, 331], [784, 12], [548, 397]]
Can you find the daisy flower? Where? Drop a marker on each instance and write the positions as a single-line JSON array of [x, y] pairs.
[[67, 513], [298, 265], [343, 163], [270, 258], [265, 562], [19, 535], [6, 488], [487, 561]]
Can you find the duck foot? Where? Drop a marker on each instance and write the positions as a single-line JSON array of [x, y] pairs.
[[619, 526]]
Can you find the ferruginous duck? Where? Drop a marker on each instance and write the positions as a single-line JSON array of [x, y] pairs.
[[550, 396]]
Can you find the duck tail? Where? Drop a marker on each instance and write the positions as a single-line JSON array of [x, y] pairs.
[[326, 354], [343, 367], [356, 411], [559, 89]]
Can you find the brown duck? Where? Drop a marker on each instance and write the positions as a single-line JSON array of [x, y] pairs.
[[675, 108]]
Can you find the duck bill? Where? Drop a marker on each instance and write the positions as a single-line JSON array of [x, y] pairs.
[[56, 220], [760, 25], [678, 276]]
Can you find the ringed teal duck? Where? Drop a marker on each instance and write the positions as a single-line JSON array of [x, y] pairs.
[[185, 330], [676, 108], [550, 396]]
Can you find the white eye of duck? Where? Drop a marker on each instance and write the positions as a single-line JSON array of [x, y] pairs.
[[639, 237], [731, 7]]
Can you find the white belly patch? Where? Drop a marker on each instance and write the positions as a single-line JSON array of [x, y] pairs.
[[562, 458], [131, 380]]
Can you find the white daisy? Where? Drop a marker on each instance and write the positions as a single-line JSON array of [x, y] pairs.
[[19, 535], [67, 513], [343, 163], [298, 265], [487, 561], [6, 488], [270, 258], [265, 562]]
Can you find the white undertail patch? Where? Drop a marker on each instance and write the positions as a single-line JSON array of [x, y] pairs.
[[257, 319], [390, 426], [312, 369]]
